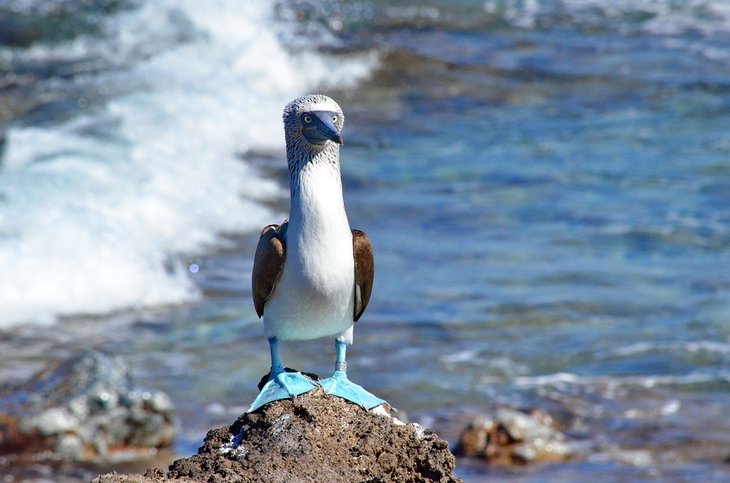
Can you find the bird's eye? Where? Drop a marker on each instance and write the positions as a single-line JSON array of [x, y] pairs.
[[334, 118], [307, 118]]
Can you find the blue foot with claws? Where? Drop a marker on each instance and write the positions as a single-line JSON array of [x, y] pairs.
[[284, 385], [339, 385], [281, 384]]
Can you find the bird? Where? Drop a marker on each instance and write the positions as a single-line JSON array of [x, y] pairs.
[[312, 274]]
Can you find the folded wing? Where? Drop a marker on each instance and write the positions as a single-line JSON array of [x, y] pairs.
[[268, 264], [364, 271]]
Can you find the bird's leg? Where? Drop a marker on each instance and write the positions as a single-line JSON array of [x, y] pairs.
[[281, 384], [276, 367], [339, 385], [341, 358]]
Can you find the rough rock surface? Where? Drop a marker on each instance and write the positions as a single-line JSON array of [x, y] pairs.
[[83, 409], [312, 438], [512, 437]]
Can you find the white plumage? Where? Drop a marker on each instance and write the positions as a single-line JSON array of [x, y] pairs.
[[314, 296]]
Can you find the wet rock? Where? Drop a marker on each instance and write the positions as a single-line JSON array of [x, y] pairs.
[[312, 438], [83, 409], [512, 437]]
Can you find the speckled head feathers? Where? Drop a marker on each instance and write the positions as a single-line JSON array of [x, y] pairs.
[[309, 103], [312, 127]]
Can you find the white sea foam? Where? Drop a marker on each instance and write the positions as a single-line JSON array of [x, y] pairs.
[[95, 210], [557, 379], [691, 346], [610, 383], [468, 355], [660, 17]]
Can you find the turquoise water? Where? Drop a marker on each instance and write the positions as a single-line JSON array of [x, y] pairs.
[[546, 186]]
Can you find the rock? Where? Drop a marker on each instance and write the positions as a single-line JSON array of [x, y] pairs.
[[83, 409], [313, 437], [513, 437]]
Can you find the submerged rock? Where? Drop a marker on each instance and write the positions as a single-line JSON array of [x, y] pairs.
[[83, 409], [313, 437], [513, 437]]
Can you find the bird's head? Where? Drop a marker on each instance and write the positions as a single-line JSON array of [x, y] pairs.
[[314, 119]]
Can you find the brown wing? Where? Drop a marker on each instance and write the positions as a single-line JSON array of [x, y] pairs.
[[364, 271], [268, 264]]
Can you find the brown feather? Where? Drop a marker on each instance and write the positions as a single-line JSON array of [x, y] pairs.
[[364, 271], [268, 264]]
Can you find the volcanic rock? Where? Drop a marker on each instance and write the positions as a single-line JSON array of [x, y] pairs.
[[512, 437], [313, 437], [84, 409]]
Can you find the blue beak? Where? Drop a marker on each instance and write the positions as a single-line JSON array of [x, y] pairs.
[[321, 127]]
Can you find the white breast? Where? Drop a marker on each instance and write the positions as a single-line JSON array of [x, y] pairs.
[[314, 296]]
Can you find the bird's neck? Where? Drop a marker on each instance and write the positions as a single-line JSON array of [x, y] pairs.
[[317, 205]]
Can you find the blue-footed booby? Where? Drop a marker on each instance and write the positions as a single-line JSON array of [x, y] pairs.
[[312, 275]]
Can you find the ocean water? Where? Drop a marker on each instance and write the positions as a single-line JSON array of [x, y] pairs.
[[546, 185]]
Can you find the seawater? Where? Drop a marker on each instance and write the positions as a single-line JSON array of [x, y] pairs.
[[546, 186]]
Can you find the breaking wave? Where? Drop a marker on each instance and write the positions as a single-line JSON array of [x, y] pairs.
[[95, 208]]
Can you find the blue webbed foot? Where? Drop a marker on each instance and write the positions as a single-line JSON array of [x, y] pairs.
[[339, 385], [285, 385]]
